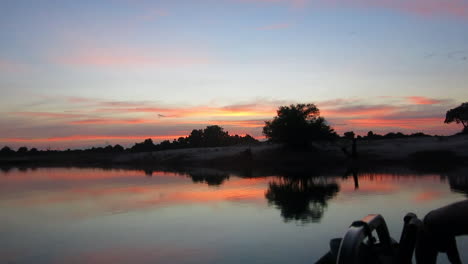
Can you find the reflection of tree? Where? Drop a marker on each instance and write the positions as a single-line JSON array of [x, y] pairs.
[[303, 199], [459, 183], [5, 169], [209, 177]]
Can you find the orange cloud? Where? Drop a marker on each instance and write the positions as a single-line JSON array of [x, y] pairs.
[[197, 111], [108, 121], [421, 100], [89, 137]]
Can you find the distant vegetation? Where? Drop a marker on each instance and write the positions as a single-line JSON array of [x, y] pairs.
[[211, 136], [391, 135]]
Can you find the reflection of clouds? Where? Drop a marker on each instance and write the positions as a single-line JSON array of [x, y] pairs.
[[371, 188], [427, 196], [131, 255], [17, 183], [108, 192], [421, 188]]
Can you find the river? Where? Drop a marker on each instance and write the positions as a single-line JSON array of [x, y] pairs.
[[86, 215]]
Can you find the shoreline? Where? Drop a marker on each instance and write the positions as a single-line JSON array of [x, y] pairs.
[[426, 152]]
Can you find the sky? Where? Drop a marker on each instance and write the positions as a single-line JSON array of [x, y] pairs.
[[75, 74]]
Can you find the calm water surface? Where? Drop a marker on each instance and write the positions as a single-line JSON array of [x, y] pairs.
[[128, 216]]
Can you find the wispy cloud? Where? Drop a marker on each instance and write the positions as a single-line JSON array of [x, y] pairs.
[[360, 110], [291, 3], [426, 8], [112, 121], [155, 14], [132, 60], [421, 100], [47, 114], [275, 26], [11, 66]]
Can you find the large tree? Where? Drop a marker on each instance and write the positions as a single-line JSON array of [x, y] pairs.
[[458, 115], [298, 125]]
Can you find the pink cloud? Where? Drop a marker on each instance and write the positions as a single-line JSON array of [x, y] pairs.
[[155, 13], [275, 26], [131, 60], [421, 100], [456, 8], [47, 114], [360, 110], [427, 8], [291, 3], [10, 66]]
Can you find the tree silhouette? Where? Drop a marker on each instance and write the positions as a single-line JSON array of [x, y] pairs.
[[215, 136], [301, 199], [458, 115], [145, 146], [5, 151], [195, 139], [22, 150], [349, 135], [298, 125]]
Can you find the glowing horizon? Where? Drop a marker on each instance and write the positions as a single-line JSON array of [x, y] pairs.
[[116, 72]]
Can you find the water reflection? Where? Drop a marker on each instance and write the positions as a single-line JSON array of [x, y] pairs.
[[266, 217], [210, 177], [302, 198]]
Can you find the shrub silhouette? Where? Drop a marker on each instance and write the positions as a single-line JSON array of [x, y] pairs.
[[211, 136]]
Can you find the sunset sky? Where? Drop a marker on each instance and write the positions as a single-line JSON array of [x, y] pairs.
[[88, 73]]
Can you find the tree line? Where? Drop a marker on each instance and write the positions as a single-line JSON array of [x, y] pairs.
[[211, 136]]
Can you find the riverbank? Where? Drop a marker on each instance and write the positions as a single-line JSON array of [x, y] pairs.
[[422, 151]]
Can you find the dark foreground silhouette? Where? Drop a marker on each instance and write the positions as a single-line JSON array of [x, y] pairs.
[[369, 241], [440, 228]]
